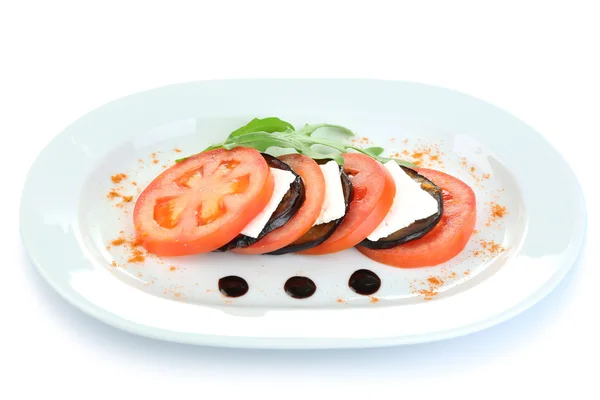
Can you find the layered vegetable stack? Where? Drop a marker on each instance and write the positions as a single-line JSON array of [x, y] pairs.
[[326, 196]]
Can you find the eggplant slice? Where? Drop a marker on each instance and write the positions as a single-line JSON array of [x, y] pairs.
[[287, 208], [417, 229], [320, 233]]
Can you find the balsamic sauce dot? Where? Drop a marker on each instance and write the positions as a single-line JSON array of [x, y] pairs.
[[233, 286], [300, 287], [364, 282]]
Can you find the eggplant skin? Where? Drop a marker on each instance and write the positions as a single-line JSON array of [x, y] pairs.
[[320, 233], [417, 229], [287, 208]]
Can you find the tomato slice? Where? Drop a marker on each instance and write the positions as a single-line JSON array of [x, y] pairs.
[[305, 217], [373, 192], [202, 203], [447, 239]]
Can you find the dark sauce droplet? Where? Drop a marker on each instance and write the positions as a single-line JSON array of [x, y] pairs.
[[233, 286], [364, 282], [300, 287]]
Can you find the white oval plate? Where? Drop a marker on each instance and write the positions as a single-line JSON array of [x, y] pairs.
[[67, 221]]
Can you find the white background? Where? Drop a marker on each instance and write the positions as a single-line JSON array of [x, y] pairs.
[[60, 59]]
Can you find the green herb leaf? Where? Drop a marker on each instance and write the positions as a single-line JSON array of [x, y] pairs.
[[261, 134], [270, 124], [308, 130], [302, 141], [260, 141]]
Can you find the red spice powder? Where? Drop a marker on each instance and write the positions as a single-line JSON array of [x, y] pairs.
[[136, 253], [425, 155], [435, 281], [365, 140], [488, 249], [117, 242], [428, 294], [472, 170], [497, 212], [433, 284], [126, 199], [118, 177], [492, 247], [113, 194], [137, 256], [340, 300]]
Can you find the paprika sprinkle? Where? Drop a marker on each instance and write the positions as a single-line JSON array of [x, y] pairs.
[[118, 177]]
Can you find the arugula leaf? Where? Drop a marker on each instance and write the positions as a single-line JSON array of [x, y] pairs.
[[261, 134], [270, 124], [302, 141]]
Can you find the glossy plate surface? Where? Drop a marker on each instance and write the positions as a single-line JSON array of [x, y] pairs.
[[531, 218]]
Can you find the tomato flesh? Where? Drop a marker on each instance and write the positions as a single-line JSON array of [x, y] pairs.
[[203, 202], [305, 217], [447, 239], [373, 192]]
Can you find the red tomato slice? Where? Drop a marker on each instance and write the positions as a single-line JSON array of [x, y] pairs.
[[447, 239], [373, 192], [305, 217], [202, 203]]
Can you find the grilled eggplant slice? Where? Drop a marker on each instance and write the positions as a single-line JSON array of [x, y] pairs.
[[320, 233], [418, 228], [288, 206]]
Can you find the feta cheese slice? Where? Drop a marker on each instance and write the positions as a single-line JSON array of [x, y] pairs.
[[283, 180], [334, 206], [411, 203]]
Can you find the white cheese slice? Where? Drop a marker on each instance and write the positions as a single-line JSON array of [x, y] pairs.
[[411, 203], [283, 180], [334, 206]]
